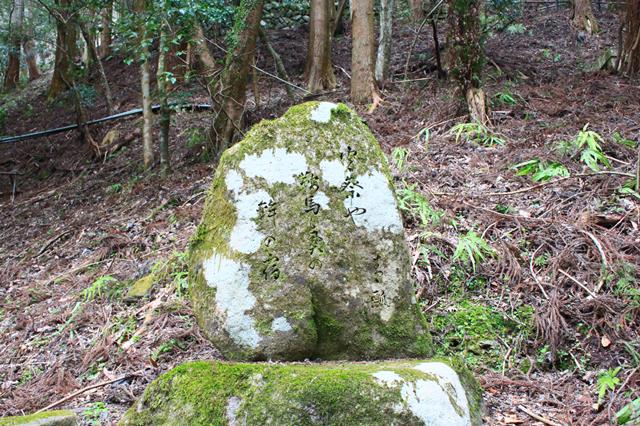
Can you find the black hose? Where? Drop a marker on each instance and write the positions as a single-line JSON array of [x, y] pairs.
[[137, 111]]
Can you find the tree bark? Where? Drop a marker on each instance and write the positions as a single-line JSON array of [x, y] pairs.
[[629, 57], [231, 93], [466, 54], [96, 57], [65, 50], [583, 18], [417, 12], [28, 45], [139, 7], [363, 87], [165, 111], [338, 24], [106, 16], [12, 74], [281, 71], [318, 70], [384, 41]]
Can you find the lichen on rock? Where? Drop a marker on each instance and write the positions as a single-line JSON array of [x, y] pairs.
[[301, 250], [436, 393]]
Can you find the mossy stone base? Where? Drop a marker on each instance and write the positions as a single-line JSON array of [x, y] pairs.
[[46, 418], [436, 393], [301, 251]]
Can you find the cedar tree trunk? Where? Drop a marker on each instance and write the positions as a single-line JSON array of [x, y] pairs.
[[363, 87], [231, 94], [466, 54], [12, 74], [318, 71]]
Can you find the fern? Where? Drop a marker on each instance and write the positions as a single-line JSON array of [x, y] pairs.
[[476, 133], [98, 288], [399, 156], [541, 171], [472, 248]]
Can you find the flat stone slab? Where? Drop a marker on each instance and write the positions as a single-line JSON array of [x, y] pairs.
[[46, 418], [301, 251], [435, 393]]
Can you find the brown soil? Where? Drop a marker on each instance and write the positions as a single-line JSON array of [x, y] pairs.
[[75, 220]]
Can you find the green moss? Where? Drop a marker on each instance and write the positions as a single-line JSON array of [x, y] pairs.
[[475, 332], [48, 418], [142, 287], [293, 394]]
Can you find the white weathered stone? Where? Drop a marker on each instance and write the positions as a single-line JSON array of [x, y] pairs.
[[231, 281], [274, 165], [333, 172], [281, 324], [322, 113], [387, 378], [378, 201]]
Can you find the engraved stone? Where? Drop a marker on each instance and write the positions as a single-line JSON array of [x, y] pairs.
[[301, 251]]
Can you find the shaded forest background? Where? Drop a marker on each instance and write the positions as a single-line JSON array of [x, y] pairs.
[[513, 134]]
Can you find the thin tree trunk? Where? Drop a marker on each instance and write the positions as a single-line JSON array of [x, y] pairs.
[[29, 45], [281, 71], [363, 87], [384, 40], [96, 57], [165, 111], [466, 55], [318, 70], [147, 116], [338, 25], [629, 57], [145, 85], [231, 95], [30, 58], [583, 18], [12, 74], [65, 50], [436, 47], [106, 16]]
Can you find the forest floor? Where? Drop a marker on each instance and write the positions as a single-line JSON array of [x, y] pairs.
[[550, 306]]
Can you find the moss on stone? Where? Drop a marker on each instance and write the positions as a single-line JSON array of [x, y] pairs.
[[472, 331], [46, 418], [141, 287], [329, 306], [217, 393]]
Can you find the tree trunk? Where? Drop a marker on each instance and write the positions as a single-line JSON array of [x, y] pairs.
[[65, 50], [165, 111], [629, 57], [29, 44], [231, 95], [384, 40], [583, 18], [338, 24], [106, 16], [30, 58], [466, 54], [281, 71], [363, 87], [96, 57], [139, 7], [12, 74], [416, 10], [319, 71]]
